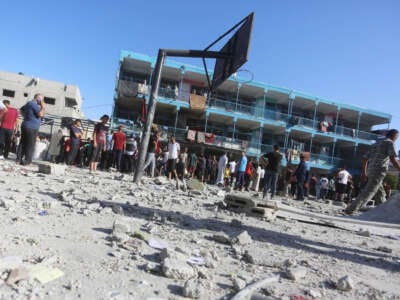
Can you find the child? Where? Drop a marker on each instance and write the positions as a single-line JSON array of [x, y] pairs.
[[227, 176]]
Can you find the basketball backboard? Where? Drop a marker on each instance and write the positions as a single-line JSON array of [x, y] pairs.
[[238, 47]]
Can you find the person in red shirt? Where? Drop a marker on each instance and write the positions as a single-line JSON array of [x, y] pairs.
[[248, 174], [9, 124], [119, 139]]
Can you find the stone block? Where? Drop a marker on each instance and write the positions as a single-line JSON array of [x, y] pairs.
[[296, 273], [194, 184], [177, 269], [242, 239], [192, 289], [345, 284], [51, 169]]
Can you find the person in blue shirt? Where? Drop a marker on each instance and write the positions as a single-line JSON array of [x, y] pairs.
[[32, 111], [242, 163]]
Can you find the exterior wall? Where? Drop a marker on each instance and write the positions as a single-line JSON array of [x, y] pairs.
[[26, 87]]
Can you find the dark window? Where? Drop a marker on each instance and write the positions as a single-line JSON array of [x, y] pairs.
[[25, 94], [70, 102], [8, 93], [48, 100]]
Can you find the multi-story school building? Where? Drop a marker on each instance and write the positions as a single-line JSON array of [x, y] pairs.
[[243, 116]]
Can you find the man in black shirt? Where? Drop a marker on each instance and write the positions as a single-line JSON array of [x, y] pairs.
[[75, 135], [271, 162]]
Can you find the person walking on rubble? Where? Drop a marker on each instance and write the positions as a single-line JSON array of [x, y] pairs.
[[301, 177], [99, 142], [8, 127], [75, 136], [223, 161], [375, 166], [271, 162], [32, 111]]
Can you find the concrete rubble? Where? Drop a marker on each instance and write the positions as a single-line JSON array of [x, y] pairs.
[[68, 234]]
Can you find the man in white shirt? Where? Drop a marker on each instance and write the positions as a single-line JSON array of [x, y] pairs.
[[232, 170], [343, 177], [223, 160], [173, 153]]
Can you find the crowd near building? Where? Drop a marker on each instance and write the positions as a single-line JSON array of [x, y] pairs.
[[247, 135]]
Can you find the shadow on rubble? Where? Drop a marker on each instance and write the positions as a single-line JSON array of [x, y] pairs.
[[186, 222]]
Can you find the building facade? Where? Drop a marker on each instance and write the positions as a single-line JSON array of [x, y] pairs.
[[244, 116], [63, 101]]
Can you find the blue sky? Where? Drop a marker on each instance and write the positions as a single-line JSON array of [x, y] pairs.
[[347, 51]]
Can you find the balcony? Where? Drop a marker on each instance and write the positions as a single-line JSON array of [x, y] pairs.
[[339, 131], [250, 111]]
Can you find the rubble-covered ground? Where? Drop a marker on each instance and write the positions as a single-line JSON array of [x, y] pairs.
[[100, 236]]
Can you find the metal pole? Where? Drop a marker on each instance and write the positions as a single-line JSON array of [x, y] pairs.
[[337, 119], [260, 139], [237, 95], [205, 125], [315, 113], [358, 123], [176, 118], [233, 132], [150, 115]]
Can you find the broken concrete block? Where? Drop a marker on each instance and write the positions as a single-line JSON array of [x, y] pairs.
[[252, 256], [365, 233], [238, 284], [172, 254], [121, 230], [238, 201], [345, 284], [177, 269], [222, 238], [194, 184], [296, 273], [242, 239], [192, 289], [17, 275], [53, 169]]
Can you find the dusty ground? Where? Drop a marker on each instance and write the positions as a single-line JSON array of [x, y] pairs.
[[66, 223]]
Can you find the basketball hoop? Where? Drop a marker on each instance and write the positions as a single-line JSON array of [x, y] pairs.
[[245, 76]]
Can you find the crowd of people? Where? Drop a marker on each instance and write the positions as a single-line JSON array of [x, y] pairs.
[[108, 149]]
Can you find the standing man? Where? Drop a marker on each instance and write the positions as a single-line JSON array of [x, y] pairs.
[[343, 178], [223, 160], [99, 142], [9, 125], [75, 135], [374, 168], [173, 153], [242, 164], [32, 111], [131, 152], [119, 139], [301, 177], [232, 169], [272, 163], [151, 153]]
